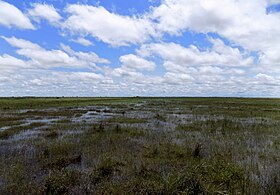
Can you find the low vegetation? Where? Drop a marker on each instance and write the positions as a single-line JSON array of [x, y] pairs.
[[139, 146]]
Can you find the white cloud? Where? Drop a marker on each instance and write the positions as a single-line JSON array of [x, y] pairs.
[[82, 77], [52, 83], [235, 17], [86, 56], [269, 61], [177, 79], [108, 27], [267, 79], [219, 54], [126, 73], [131, 69], [44, 11], [21, 43], [132, 61], [9, 62], [42, 58], [245, 23], [33, 75], [10, 16], [189, 65], [82, 41]]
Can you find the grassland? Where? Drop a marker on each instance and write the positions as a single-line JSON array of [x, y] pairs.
[[139, 146]]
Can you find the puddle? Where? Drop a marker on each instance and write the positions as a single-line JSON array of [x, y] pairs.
[[43, 120], [95, 115], [27, 134], [5, 128], [170, 117]]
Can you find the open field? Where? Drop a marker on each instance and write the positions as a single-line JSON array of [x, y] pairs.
[[139, 146]]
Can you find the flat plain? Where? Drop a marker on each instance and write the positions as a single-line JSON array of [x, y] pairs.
[[139, 145]]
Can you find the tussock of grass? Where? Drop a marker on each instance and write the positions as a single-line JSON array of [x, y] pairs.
[[52, 134], [61, 182], [61, 162]]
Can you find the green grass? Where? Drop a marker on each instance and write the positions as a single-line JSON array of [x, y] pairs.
[[163, 146]]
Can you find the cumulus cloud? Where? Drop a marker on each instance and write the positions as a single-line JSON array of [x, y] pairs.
[[33, 75], [111, 28], [177, 79], [267, 79], [219, 54], [82, 41], [131, 69], [186, 65], [132, 61], [86, 56], [11, 16], [245, 23], [9, 62], [235, 19], [44, 11], [21, 43], [42, 58], [269, 62]]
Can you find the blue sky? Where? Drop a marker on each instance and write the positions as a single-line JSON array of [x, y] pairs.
[[146, 48]]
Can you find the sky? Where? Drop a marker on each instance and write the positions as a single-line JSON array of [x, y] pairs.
[[140, 48]]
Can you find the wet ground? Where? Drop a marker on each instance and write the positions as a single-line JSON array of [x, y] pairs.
[[243, 132], [143, 116]]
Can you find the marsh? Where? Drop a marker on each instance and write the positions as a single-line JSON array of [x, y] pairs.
[[139, 145]]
